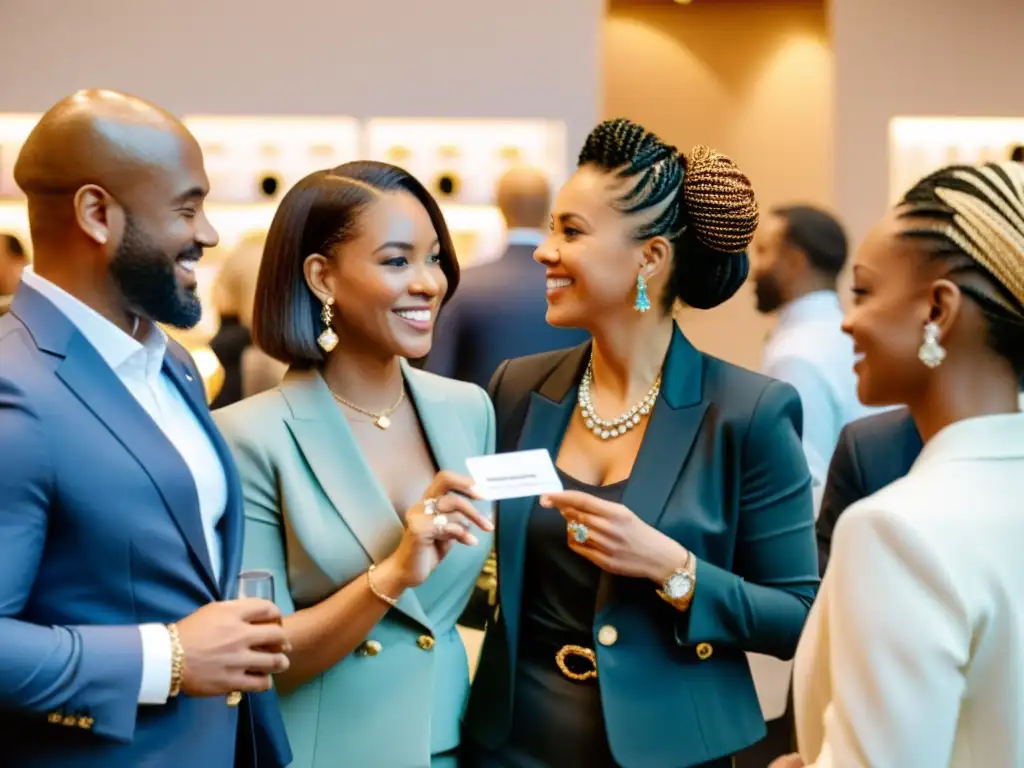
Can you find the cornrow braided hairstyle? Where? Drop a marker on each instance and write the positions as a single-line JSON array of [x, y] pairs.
[[973, 218], [702, 203]]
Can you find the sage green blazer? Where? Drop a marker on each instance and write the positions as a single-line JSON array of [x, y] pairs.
[[317, 517]]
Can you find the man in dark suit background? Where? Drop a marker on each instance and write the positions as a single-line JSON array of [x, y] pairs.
[[871, 453], [498, 312]]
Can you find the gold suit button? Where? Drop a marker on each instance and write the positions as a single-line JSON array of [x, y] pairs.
[[69, 720], [704, 651], [607, 635], [426, 642], [85, 722], [369, 648], [55, 717]]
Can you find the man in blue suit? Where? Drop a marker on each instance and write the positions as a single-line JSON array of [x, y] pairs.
[[120, 509], [499, 311]]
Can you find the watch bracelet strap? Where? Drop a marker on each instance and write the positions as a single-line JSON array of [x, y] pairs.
[[376, 592], [177, 661]]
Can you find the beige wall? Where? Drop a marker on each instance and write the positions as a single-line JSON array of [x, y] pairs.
[[752, 79], [915, 57], [451, 58]]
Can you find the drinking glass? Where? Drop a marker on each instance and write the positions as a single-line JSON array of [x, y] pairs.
[[256, 584]]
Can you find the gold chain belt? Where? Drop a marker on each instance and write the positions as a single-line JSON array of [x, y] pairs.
[[580, 652]]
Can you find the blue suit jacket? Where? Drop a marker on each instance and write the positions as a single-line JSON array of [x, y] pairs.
[[100, 531], [497, 313]]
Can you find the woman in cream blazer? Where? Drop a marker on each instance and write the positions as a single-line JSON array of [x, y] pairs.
[[912, 656], [373, 556]]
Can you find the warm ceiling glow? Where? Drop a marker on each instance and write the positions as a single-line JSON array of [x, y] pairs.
[[683, 2]]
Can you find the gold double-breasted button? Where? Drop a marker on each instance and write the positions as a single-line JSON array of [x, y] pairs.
[[369, 648], [704, 651], [69, 720], [85, 722], [426, 642], [607, 635], [56, 718]]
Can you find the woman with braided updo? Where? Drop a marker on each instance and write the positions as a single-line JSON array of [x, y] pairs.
[[913, 656], [685, 535]]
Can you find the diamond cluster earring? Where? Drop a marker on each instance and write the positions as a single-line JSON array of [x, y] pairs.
[[931, 353], [327, 340]]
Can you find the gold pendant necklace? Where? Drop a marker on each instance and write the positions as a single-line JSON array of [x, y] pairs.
[[381, 420]]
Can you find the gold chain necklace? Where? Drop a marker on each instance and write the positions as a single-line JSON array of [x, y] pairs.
[[606, 429], [381, 420]]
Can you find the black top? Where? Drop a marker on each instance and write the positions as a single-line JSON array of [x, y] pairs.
[[560, 586], [555, 721]]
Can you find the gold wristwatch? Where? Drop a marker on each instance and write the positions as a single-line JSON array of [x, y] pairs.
[[677, 590]]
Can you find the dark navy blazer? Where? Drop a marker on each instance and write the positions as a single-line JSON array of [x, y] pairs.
[[100, 531], [720, 470]]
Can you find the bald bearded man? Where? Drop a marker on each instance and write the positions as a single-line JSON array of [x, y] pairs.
[[120, 508]]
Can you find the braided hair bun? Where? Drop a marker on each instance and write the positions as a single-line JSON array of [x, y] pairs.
[[703, 203]]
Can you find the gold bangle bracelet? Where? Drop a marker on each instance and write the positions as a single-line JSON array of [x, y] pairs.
[[177, 661], [376, 592]]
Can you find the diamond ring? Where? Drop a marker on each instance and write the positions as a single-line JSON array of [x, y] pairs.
[[440, 521], [430, 506], [579, 531]]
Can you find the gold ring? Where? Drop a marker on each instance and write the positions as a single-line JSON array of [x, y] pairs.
[[234, 698], [583, 653]]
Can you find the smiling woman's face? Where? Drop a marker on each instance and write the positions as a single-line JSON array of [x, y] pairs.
[[591, 256], [892, 304], [387, 281]]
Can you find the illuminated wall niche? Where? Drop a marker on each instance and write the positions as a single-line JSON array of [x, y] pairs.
[[920, 145], [461, 161], [14, 129]]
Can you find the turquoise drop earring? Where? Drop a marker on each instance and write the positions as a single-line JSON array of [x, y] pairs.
[[643, 301]]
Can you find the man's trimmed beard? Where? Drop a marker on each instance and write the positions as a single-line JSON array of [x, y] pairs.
[[147, 280]]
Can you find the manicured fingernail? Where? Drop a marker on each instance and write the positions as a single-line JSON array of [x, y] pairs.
[[545, 501], [473, 540]]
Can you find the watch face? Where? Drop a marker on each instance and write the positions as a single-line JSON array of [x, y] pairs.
[[678, 585]]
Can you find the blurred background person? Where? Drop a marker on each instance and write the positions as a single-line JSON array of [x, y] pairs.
[[795, 260], [499, 311], [912, 653], [352, 467], [12, 261], [247, 369]]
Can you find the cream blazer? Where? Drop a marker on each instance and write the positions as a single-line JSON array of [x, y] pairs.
[[913, 654]]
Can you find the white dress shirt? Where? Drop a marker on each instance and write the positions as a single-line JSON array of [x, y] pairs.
[[139, 367], [913, 654], [809, 350]]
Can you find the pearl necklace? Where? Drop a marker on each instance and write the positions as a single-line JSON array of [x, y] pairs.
[[618, 426]]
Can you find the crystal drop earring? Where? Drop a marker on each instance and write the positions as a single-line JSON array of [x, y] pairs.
[[327, 340], [931, 353], [643, 301]]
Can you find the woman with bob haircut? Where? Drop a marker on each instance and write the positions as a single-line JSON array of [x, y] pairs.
[[353, 471]]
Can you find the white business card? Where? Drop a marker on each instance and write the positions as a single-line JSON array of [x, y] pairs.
[[514, 475]]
